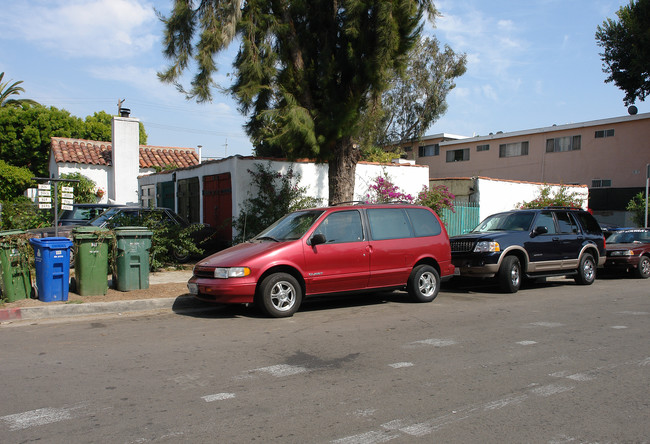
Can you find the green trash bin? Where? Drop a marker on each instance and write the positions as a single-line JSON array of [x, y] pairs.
[[15, 279], [91, 259], [132, 246]]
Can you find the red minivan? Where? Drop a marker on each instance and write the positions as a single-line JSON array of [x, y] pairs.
[[330, 250]]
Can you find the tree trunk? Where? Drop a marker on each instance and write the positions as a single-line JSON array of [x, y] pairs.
[[342, 170]]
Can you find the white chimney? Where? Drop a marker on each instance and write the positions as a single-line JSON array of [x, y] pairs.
[[123, 179]]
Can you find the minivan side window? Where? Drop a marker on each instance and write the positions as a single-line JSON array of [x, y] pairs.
[[424, 222], [388, 223], [341, 226]]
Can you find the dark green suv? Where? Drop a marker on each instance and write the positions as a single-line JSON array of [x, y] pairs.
[[554, 241]]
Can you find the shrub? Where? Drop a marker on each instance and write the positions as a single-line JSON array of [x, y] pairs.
[[637, 207], [21, 213], [561, 198], [274, 195]]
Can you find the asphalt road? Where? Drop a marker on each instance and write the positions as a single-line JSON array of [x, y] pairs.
[[558, 363]]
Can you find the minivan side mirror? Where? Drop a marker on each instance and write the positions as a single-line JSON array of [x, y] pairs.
[[540, 230], [317, 239]]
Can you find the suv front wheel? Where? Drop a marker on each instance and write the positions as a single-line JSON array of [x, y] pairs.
[[509, 276], [586, 270]]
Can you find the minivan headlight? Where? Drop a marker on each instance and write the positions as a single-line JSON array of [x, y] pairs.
[[487, 247], [232, 272]]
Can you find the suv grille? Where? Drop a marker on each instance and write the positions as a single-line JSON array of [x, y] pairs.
[[462, 246]]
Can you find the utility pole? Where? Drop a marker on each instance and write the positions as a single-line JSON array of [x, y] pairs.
[[225, 149]]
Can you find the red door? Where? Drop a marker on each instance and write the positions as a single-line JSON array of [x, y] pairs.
[[217, 205]]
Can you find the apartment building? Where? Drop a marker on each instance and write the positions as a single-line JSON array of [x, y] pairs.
[[609, 156]]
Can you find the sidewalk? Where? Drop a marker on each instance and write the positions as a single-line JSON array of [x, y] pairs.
[[182, 302]]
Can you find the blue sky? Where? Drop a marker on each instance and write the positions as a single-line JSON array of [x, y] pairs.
[[531, 64]]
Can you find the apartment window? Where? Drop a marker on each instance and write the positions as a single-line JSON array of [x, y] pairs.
[[560, 144], [601, 183], [429, 150], [604, 133], [513, 149], [458, 155], [485, 147]]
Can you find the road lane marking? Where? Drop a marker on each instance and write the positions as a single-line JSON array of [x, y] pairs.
[[526, 342], [635, 313], [281, 370], [547, 324], [619, 327], [38, 417], [218, 397], [401, 364], [434, 342]]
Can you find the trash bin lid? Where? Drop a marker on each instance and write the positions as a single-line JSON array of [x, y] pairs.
[[90, 232], [132, 231], [88, 229], [51, 242]]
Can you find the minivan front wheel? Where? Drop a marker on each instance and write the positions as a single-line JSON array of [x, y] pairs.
[[280, 295], [586, 270], [423, 284], [510, 275]]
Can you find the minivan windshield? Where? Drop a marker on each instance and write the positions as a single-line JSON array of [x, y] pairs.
[[519, 221], [291, 227]]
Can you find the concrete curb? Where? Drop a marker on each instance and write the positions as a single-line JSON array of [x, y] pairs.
[[177, 304]]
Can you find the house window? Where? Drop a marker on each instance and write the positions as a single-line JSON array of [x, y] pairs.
[[408, 149], [485, 147], [458, 155], [429, 150], [513, 149], [604, 133], [601, 183], [559, 144]]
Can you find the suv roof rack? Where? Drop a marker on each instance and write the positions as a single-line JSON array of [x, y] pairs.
[[561, 207]]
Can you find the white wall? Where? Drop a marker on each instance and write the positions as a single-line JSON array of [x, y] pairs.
[[409, 178], [97, 173], [500, 195], [123, 187]]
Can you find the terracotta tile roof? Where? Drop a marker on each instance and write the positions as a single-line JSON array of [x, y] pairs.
[[92, 152]]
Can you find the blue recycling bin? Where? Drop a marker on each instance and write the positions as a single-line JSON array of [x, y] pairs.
[[52, 263]]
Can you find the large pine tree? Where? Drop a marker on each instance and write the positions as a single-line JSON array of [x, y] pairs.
[[305, 70]]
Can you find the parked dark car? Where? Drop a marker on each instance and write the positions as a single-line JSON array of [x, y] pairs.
[[629, 250], [83, 213], [125, 215], [531, 243], [337, 249]]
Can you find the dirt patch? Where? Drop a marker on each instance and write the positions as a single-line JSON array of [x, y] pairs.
[[166, 290]]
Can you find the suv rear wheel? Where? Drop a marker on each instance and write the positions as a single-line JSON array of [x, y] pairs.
[[509, 275], [586, 270], [423, 284]]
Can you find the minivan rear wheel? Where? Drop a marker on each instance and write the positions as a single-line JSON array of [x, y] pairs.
[[423, 284], [280, 295]]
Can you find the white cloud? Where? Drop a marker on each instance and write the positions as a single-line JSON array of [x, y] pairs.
[[104, 29]]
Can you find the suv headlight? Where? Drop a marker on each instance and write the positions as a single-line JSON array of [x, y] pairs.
[[487, 247], [232, 272]]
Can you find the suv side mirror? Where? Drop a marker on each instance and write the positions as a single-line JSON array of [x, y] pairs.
[[540, 230], [317, 239]]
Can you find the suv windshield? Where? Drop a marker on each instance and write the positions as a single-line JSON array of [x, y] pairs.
[[506, 222], [291, 227]]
